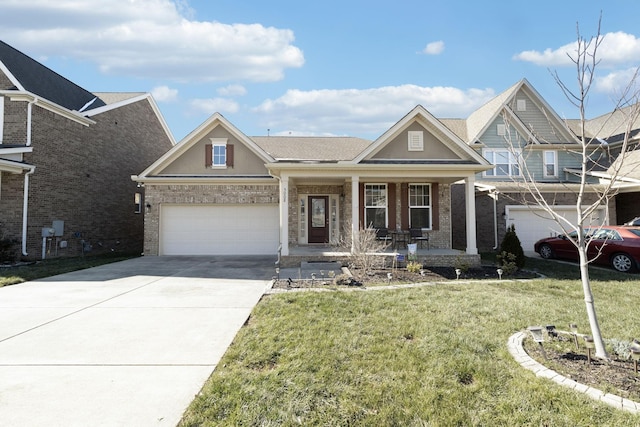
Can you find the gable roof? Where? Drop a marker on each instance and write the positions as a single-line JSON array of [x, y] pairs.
[[483, 117], [421, 114], [292, 148], [29, 75], [196, 136]]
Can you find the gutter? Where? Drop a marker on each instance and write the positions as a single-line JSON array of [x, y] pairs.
[[25, 207]]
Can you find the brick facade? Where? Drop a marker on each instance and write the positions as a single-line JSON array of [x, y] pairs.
[[82, 177]]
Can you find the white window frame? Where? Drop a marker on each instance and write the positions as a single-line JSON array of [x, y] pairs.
[[1, 118], [368, 205], [513, 166], [415, 140], [421, 206], [217, 143], [553, 163], [137, 200]]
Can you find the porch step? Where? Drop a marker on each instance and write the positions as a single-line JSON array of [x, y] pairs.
[[321, 270]]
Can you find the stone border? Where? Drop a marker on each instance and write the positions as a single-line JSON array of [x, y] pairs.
[[520, 355]]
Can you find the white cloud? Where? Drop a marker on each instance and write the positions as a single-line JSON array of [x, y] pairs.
[[434, 48], [361, 112], [616, 49], [214, 105], [164, 94], [232, 90], [615, 83], [149, 38]]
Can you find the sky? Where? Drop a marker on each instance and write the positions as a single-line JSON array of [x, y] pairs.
[[349, 67]]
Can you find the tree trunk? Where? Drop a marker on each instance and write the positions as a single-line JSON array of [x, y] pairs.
[[601, 352]]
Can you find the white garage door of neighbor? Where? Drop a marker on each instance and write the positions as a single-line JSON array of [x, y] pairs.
[[219, 230], [533, 225]]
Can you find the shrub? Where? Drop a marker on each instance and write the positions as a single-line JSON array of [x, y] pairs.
[[8, 250], [507, 261], [414, 267], [511, 245]]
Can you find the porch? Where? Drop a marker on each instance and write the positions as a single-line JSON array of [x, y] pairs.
[[434, 257]]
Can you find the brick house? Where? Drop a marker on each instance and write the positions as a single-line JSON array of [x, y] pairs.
[[220, 192], [66, 157]]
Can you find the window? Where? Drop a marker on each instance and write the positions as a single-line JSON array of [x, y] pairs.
[[375, 205], [550, 163], [416, 141], [501, 129], [219, 155], [521, 105], [420, 206], [505, 161], [137, 200]]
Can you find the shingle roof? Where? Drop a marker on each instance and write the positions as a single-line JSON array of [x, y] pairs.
[[311, 148], [44, 82]]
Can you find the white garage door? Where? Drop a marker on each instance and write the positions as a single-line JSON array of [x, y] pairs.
[[533, 225], [219, 230]]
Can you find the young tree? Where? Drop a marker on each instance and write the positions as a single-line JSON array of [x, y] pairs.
[[594, 156]]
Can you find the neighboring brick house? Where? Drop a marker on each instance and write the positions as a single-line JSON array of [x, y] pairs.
[[220, 192], [66, 158]]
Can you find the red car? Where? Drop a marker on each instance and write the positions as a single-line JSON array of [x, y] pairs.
[[608, 245]]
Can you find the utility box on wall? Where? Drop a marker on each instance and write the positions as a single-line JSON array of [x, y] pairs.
[[58, 226]]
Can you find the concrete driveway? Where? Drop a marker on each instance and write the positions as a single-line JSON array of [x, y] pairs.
[[125, 344]]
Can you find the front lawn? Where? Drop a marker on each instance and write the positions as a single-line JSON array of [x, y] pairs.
[[434, 355], [53, 266]]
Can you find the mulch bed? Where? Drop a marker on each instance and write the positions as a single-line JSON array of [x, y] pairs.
[[616, 376], [402, 276]]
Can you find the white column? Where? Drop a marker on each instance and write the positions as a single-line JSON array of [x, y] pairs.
[[284, 214], [355, 211], [470, 202]]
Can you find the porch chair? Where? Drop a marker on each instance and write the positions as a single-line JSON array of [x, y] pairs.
[[383, 234], [416, 236]]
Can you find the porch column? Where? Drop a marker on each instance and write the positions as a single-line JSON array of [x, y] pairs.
[[355, 211], [284, 214], [470, 202]]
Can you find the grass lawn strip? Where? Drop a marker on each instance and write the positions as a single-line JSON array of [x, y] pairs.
[[432, 355]]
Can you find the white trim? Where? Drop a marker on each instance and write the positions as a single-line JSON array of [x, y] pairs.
[[429, 206], [132, 100], [545, 164], [11, 77], [218, 142], [1, 118], [47, 105], [386, 203]]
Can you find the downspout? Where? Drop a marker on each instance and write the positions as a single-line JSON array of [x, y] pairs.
[[494, 196], [29, 113], [25, 207]]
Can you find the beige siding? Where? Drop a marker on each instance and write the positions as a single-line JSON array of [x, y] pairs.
[[434, 149], [192, 162]]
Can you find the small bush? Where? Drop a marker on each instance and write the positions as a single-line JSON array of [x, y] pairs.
[[507, 262], [511, 245], [414, 267]]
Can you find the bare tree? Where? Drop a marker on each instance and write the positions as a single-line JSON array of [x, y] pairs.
[[595, 159]]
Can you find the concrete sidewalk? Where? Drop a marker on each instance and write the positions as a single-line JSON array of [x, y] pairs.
[[129, 343]]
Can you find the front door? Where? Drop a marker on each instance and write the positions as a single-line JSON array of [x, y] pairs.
[[318, 219]]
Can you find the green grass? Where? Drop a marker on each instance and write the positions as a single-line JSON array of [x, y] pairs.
[[53, 266], [428, 356]]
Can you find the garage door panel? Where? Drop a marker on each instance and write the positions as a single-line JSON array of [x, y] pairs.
[[534, 224], [219, 230]]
